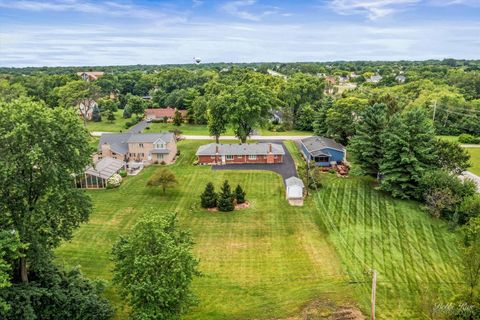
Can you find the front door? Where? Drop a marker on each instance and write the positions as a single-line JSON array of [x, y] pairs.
[[223, 159]]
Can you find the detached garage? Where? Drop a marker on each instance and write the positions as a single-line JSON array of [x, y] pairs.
[[294, 191]]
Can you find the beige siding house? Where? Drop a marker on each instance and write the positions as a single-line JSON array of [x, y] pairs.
[[147, 148]]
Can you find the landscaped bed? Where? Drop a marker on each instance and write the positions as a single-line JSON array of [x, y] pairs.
[[275, 258]]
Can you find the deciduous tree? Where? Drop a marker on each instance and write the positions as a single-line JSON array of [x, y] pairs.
[[163, 178], [80, 95], [154, 267]]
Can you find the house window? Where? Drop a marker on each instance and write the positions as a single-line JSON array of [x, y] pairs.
[[321, 159], [159, 146], [159, 156], [229, 157], [252, 157], [140, 145], [141, 154], [275, 157]]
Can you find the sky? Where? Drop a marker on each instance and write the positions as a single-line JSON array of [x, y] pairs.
[[128, 32]]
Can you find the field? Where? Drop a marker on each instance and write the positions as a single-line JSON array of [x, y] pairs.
[[475, 160], [270, 260]]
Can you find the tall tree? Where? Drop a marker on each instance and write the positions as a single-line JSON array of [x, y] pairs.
[[42, 149], [80, 95], [409, 151], [154, 267], [451, 156], [366, 145], [343, 116], [135, 105], [217, 117], [249, 106], [177, 119]]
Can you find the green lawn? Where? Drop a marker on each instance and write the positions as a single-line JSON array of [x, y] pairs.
[[270, 260], [105, 126], [449, 138], [186, 128], [475, 160], [266, 132], [263, 262]]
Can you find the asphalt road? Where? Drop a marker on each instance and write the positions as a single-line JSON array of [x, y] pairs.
[[139, 127], [285, 169]]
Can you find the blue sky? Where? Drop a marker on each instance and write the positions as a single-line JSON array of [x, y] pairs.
[[108, 32]]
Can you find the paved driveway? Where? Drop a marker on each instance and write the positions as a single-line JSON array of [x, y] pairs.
[[285, 169], [138, 128]]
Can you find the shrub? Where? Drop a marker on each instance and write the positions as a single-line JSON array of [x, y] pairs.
[[178, 153], [209, 197], [468, 138], [163, 163], [332, 171], [114, 181], [122, 173]]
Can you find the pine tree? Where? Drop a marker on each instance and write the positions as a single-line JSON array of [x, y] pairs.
[[239, 194], [96, 116], [209, 196], [126, 113], [366, 145], [409, 151], [110, 116], [177, 119], [225, 199]]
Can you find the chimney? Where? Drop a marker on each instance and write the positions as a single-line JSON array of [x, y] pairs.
[[216, 149], [269, 148]]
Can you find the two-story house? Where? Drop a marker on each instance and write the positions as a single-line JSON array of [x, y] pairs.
[[138, 147]]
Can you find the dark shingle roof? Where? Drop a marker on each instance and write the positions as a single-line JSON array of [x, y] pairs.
[[319, 143], [240, 149], [119, 141]]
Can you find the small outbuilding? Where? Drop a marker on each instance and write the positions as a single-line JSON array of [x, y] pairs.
[[294, 191]]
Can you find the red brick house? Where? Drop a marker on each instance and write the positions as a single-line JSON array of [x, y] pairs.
[[214, 153], [161, 113]]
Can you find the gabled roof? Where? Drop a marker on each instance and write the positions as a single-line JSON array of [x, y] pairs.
[[105, 168], [164, 112], [119, 141], [318, 143], [240, 149]]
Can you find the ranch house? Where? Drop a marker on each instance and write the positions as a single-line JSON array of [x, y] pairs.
[[324, 152], [237, 153]]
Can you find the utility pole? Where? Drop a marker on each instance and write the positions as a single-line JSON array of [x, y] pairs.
[[434, 110], [374, 292]]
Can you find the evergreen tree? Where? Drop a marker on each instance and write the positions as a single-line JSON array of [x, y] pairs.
[[96, 116], [225, 199], [126, 113], [209, 196], [239, 194], [366, 145], [110, 116], [409, 150], [177, 119]]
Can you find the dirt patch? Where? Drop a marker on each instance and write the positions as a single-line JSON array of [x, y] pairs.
[[239, 206], [327, 310]]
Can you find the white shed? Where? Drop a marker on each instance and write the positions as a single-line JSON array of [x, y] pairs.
[[294, 191]]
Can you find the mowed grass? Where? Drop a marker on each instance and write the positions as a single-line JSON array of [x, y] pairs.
[[106, 126], [266, 132], [264, 262], [474, 160], [186, 128], [448, 138]]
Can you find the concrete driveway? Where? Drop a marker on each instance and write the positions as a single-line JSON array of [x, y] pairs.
[[285, 169]]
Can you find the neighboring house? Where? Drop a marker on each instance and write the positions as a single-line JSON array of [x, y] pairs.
[[162, 113], [96, 176], [374, 79], [138, 147], [85, 109], [294, 191], [324, 152], [332, 80], [400, 79], [342, 79], [90, 75], [236, 153]]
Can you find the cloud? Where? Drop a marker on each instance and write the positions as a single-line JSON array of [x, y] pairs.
[[373, 9], [109, 8], [239, 9]]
